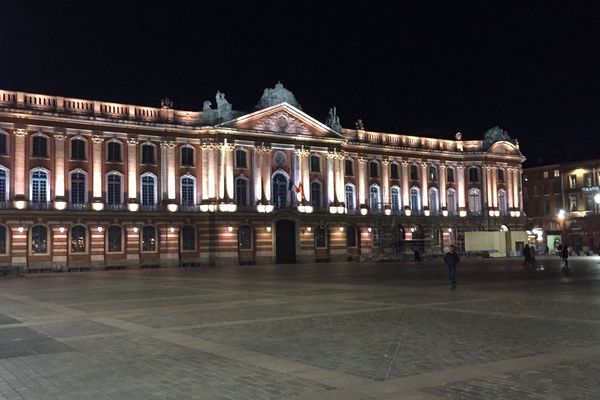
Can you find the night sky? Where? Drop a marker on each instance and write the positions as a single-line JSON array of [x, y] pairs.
[[403, 67]]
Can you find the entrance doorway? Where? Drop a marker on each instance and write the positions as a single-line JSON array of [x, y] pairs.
[[285, 241]]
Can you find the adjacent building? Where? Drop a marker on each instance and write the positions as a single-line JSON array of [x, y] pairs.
[[98, 184], [561, 204]]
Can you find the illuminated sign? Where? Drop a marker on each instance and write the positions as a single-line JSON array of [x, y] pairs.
[[590, 189]]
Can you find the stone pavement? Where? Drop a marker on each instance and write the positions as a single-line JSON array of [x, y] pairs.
[[314, 331]]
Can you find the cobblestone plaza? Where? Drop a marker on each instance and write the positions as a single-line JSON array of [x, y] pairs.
[[315, 331]]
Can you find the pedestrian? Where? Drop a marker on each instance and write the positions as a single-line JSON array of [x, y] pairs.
[[527, 255], [451, 259], [532, 259], [564, 255], [418, 256]]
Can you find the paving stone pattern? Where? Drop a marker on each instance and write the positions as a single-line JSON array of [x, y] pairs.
[[314, 331]]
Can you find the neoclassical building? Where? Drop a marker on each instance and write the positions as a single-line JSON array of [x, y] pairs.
[[92, 184]]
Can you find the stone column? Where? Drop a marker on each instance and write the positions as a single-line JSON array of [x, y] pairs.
[[256, 174], [330, 179], [339, 178], [229, 183], [509, 187], [302, 173], [486, 188], [266, 173], [494, 176], [424, 185], [362, 180], [405, 185], [20, 156], [59, 171], [18, 241], [519, 179], [169, 148], [442, 169], [97, 164], [205, 155], [164, 167], [460, 179], [132, 175], [212, 173], [385, 181]]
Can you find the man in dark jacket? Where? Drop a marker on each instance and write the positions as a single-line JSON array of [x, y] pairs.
[[451, 259]]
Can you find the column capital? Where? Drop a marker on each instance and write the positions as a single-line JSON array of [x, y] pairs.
[[21, 132], [97, 139], [302, 152], [362, 158], [132, 141], [59, 136], [168, 144], [442, 166]]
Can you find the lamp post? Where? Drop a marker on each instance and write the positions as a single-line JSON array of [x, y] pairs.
[[561, 216]]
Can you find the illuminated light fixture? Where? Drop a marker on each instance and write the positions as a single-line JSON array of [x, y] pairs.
[[364, 211], [172, 207], [462, 213], [269, 208], [60, 205], [308, 209], [426, 212], [309, 229], [260, 208], [491, 212], [512, 213], [412, 229], [133, 207], [223, 207], [61, 229], [211, 207], [496, 213], [171, 229], [407, 212], [20, 204], [20, 229], [204, 207], [562, 214], [517, 213], [341, 228], [445, 213], [232, 207], [369, 229], [268, 228], [597, 198], [100, 229], [136, 229], [301, 208], [230, 228], [97, 206], [341, 209], [449, 230], [332, 209]]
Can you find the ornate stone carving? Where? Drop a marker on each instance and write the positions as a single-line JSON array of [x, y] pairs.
[[59, 136], [281, 122], [132, 141], [166, 103], [494, 135], [333, 120], [302, 152], [359, 125], [21, 132], [262, 148], [97, 139], [277, 95]]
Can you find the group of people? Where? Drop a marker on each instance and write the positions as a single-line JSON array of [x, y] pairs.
[[530, 262]]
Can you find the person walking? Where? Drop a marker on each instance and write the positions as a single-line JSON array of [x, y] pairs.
[[532, 260], [564, 255], [527, 255], [451, 259]]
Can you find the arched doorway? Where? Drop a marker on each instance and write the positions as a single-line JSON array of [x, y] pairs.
[[285, 241]]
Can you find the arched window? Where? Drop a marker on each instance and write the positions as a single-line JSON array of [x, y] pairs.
[[473, 174], [188, 238], [373, 169], [415, 199], [187, 156], [502, 205], [433, 173], [475, 201], [4, 184], [114, 192], [114, 239], [315, 163], [241, 191], [39, 239], [78, 237], [350, 202], [3, 143], [78, 149], [113, 151], [349, 167], [394, 171], [321, 236], [245, 237], [40, 189], [315, 194], [395, 198], [351, 236], [450, 175], [39, 146], [434, 201], [148, 153], [3, 240], [148, 190], [280, 191], [500, 176], [451, 201], [188, 190], [414, 173], [149, 238], [241, 158], [375, 197], [78, 188]]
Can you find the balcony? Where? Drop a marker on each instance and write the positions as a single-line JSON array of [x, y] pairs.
[[79, 206], [115, 207], [150, 207], [39, 205], [5, 204], [188, 207]]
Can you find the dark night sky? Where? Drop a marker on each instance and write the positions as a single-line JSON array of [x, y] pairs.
[[403, 67]]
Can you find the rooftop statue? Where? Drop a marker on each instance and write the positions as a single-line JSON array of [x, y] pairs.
[[277, 95], [493, 135], [333, 120]]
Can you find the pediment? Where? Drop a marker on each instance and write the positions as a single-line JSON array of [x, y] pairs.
[[282, 119]]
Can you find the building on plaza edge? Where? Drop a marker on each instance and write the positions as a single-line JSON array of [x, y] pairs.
[[91, 183], [562, 205]]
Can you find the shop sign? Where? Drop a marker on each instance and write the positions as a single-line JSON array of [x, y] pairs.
[[590, 189]]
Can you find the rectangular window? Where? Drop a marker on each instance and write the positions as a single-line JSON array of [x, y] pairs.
[[114, 152], [148, 238], [545, 174], [315, 164], [3, 144], [39, 147], [395, 174], [587, 179], [240, 159], [556, 173], [572, 203], [450, 175], [148, 154], [321, 236], [348, 167], [572, 181], [590, 205]]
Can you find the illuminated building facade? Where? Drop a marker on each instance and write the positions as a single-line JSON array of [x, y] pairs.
[[561, 200], [95, 184]]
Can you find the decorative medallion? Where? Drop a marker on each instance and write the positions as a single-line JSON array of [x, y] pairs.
[[281, 122], [279, 158]]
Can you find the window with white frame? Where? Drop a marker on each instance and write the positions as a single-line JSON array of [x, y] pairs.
[[4, 184], [350, 202], [415, 199], [148, 190], [556, 173], [375, 197], [434, 202], [78, 187], [114, 188], [475, 201], [395, 198], [451, 201], [241, 191], [40, 189], [188, 190]]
